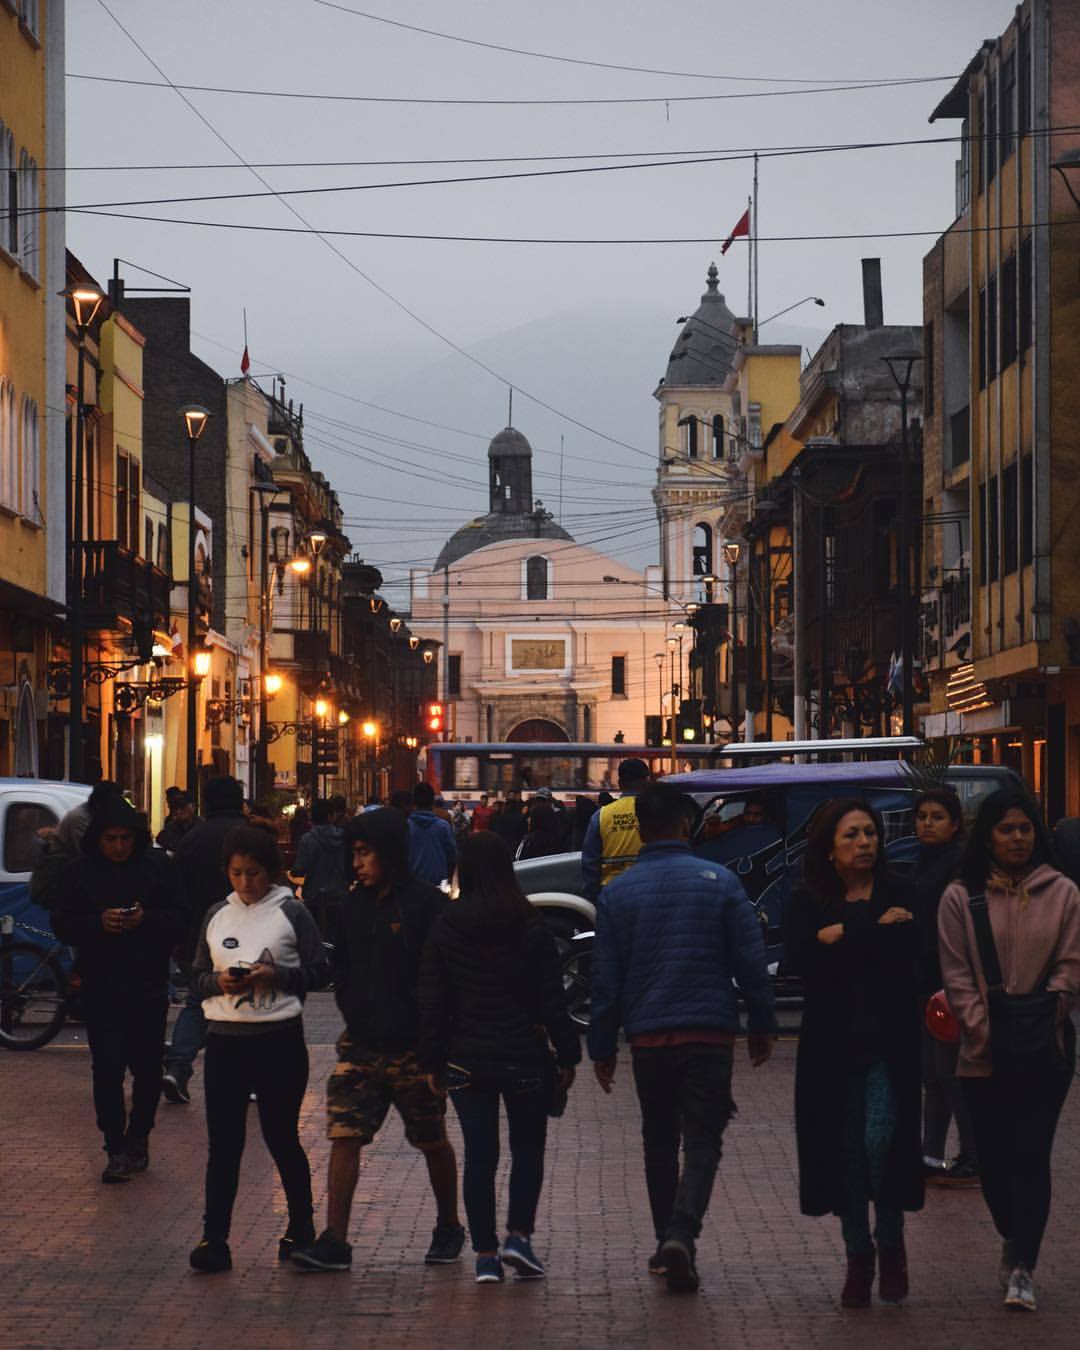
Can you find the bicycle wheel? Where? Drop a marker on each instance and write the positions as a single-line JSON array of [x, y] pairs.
[[33, 989]]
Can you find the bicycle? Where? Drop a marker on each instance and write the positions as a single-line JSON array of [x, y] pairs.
[[33, 988]]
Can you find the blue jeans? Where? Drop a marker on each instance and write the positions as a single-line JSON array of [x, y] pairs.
[[188, 1038], [475, 1090], [869, 1126]]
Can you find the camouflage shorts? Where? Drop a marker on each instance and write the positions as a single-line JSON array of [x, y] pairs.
[[363, 1087]]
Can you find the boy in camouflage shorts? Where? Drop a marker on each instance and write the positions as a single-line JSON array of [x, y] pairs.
[[376, 963]]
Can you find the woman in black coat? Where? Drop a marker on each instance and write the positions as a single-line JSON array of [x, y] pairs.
[[492, 1006], [850, 934]]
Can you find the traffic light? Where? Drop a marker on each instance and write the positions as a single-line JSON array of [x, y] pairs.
[[688, 723], [434, 717], [654, 729]]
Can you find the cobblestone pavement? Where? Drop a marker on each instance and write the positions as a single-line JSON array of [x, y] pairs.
[[85, 1266]]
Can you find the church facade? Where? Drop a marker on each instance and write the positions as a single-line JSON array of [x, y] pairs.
[[540, 638]]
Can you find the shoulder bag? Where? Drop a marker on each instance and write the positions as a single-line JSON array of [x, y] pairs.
[[1023, 1027]]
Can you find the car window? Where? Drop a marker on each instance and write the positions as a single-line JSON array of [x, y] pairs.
[[22, 844]]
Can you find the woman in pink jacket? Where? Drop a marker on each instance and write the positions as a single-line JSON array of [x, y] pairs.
[[1034, 920]]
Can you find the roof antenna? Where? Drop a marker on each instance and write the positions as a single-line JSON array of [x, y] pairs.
[[510, 414]]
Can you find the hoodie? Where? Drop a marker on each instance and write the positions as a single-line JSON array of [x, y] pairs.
[[320, 862], [1036, 927], [276, 931], [134, 964], [432, 848]]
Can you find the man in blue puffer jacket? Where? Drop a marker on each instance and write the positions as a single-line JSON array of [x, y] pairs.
[[672, 935]]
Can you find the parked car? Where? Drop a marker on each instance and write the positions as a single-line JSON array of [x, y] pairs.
[[28, 805]]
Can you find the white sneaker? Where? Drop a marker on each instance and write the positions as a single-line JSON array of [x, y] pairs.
[[1021, 1291]]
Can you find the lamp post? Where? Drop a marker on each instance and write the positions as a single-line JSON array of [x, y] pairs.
[[195, 419], [266, 489], [900, 365], [732, 550], [85, 301], [673, 643], [316, 540]]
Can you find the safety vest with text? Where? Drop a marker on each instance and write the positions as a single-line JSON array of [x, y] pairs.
[[620, 841]]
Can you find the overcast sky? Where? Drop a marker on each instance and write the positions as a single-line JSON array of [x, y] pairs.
[[587, 329]]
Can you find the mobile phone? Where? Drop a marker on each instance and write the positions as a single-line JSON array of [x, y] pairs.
[[238, 972], [129, 909]]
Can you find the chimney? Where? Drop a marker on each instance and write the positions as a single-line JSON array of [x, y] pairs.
[[873, 310]]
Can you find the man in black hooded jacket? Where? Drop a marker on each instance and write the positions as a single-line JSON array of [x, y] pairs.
[[119, 908], [376, 963]]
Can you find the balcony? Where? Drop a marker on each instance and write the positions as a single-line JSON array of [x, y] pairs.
[[116, 585]]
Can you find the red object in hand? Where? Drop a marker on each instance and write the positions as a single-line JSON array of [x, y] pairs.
[[940, 1022]]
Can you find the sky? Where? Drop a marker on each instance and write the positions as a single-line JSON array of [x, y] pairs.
[[374, 335]]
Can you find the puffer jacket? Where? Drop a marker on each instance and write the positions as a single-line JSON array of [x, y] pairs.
[[672, 934]]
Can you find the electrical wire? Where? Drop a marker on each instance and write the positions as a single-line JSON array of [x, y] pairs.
[[581, 61]]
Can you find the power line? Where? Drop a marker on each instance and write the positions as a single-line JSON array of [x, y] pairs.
[[359, 271], [596, 65], [318, 97]]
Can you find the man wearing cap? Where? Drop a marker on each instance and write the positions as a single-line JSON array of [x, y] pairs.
[[612, 840]]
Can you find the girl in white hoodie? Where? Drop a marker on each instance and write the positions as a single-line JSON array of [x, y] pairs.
[[259, 954]]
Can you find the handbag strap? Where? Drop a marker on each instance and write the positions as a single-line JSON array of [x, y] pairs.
[[984, 937]]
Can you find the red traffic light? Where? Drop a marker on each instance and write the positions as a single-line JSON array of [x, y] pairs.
[[434, 717]]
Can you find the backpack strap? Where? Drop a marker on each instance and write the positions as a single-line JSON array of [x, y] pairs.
[[984, 937]]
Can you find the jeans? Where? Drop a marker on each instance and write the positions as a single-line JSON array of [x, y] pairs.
[[869, 1126], [944, 1101], [475, 1090], [125, 1036], [685, 1095], [188, 1038], [1014, 1120], [273, 1065]]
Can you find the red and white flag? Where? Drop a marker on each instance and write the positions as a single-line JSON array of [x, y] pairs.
[[741, 230], [245, 361]]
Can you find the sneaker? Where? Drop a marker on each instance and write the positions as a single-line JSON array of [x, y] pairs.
[[325, 1253], [117, 1169], [174, 1088], [489, 1270], [1021, 1291], [517, 1253], [678, 1259], [447, 1241], [1005, 1268], [657, 1264], [210, 1257], [290, 1244], [960, 1175], [934, 1173], [138, 1153]]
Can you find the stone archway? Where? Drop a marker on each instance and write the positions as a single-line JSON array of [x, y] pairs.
[[26, 739], [537, 729]]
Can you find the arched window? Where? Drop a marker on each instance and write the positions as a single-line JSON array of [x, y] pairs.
[[30, 467], [718, 436], [536, 577], [9, 193], [703, 545], [29, 222], [689, 427], [9, 447]]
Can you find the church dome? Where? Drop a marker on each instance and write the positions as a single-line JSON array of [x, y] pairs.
[[705, 349], [509, 441]]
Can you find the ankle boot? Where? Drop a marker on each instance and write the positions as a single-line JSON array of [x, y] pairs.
[[893, 1280], [860, 1280]]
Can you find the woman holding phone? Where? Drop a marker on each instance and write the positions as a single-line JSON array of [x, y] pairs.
[[259, 954]]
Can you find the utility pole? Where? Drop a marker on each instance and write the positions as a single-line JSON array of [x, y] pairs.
[[798, 604], [446, 646]]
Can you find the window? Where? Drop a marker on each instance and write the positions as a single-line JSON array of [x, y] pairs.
[[982, 338], [1011, 521], [989, 554], [22, 844], [29, 222], [122, 500], [9, 193], [30, 462], [1008, 311], [884, 569], [702, 555], [618, 677], [1023, 83], [990, 129], [453, 675], [991, 329], [1027, 486], [536, 578], [134, 475], [148, 538], [9, 446], [980, 132], [163, 560], [1006, 119], [718, 437], [689, 436], [1026, 316]]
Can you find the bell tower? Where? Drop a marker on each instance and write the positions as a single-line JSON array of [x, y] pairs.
[[510, 474]]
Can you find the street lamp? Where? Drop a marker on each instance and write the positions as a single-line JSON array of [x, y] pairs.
[[201, 664], [901, 363], [195, 418], [804, 301], [673, 643], [709, 580], [273, 685], [732, 553], [85, 302], [267, 490]]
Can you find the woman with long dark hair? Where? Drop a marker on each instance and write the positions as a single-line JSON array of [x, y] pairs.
[[1010, 949], [939, 828], [850, 933], [492, 1005]]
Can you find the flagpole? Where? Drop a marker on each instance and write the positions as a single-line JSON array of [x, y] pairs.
[[754, 245], [750, 260]]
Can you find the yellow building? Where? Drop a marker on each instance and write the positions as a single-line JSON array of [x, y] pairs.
[[31, 371], [1001, 625]]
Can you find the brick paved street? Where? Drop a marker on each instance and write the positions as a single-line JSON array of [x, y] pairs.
[[85, 1266]]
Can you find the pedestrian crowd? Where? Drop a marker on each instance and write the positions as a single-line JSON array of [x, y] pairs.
[[937, 995]]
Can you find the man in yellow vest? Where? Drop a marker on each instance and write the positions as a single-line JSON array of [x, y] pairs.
[[612, 841]]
